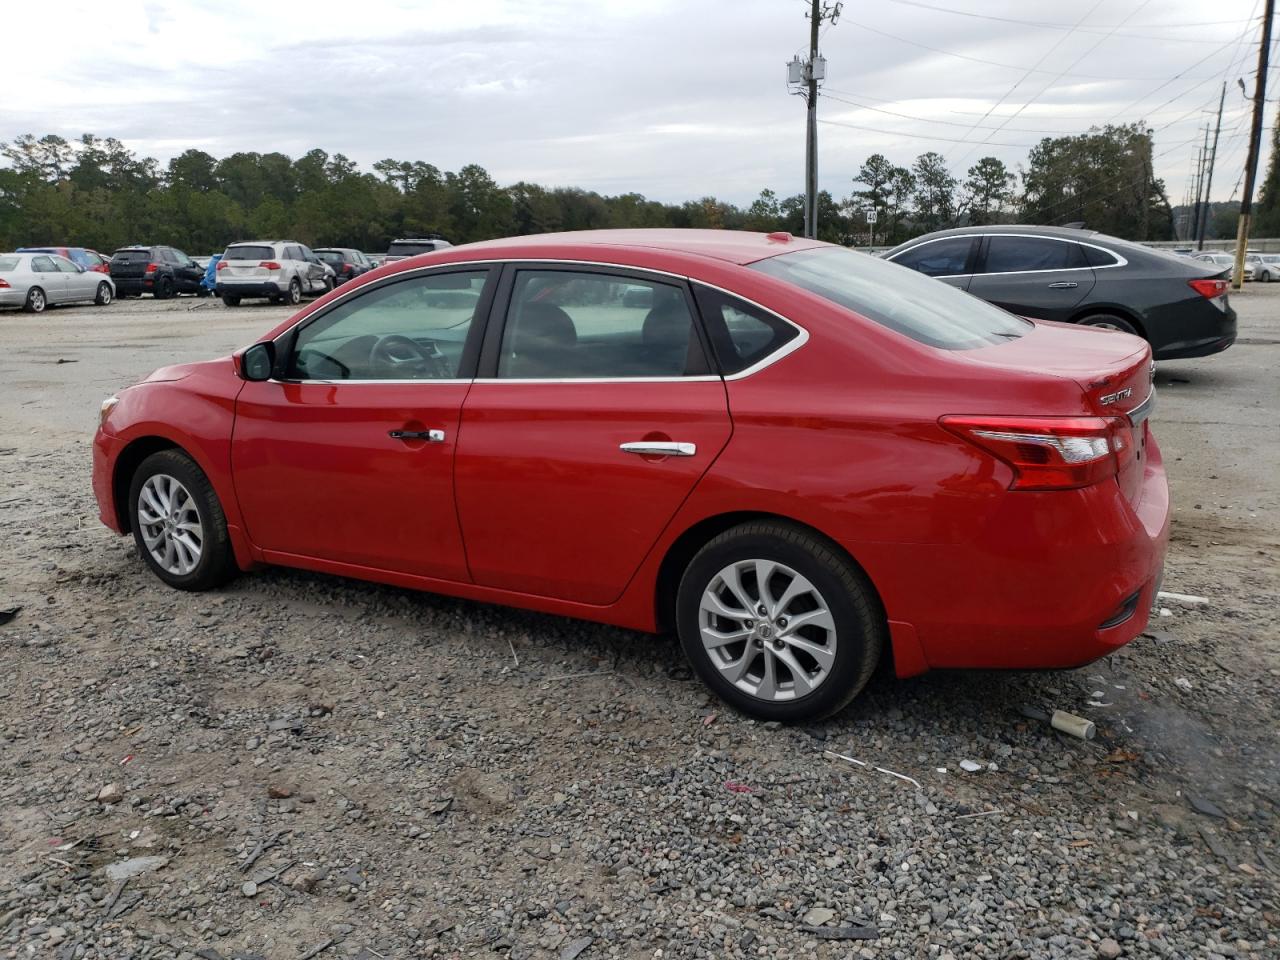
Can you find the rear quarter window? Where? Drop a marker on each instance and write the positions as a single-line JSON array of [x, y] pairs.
[[910, 303], [8, 264]]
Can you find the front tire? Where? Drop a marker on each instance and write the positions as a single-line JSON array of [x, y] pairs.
[[778, 622], [104, 296], [178, 523], [36, 301]]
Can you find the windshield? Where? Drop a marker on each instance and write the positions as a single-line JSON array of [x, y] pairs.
[[910, 303], [249, 253]]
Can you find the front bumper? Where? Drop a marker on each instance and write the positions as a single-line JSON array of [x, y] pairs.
[[105, 450], [1057, 579], [248, 288]]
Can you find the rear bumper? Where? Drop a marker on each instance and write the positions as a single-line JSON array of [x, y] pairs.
[[1193, 328], [12, 298], [248, 288], [1057, 579], [132, 285]]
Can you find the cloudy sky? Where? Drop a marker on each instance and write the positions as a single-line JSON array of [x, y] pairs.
[[671, 99]]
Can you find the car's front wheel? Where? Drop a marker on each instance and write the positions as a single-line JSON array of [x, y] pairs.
[[778, 622], [178, 523], [104, 296]]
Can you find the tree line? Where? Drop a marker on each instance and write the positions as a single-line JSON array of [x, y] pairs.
[[95, 192]]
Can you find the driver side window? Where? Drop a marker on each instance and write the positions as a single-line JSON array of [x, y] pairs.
[[414, 329]]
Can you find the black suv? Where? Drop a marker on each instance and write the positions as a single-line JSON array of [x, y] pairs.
[[160, 271], [347, 262]]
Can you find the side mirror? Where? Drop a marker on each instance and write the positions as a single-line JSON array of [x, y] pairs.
[[257, 362]]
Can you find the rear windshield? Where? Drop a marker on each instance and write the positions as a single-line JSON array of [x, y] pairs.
[[9, 263], [131, 256], [897, 297], [411, 249], [333, 256], [248, 253]]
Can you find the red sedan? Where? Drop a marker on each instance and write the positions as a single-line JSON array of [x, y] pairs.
[[800, 458]]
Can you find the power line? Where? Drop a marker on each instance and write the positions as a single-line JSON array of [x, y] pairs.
[[1045, 89], [920, 136], [990, 63], [1066, 26]]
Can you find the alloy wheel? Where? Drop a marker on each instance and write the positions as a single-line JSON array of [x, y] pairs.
[[768, 630], [170, 524]]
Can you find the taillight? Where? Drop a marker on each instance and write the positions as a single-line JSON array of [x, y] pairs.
[[269, 265], [152, 267], [1209, 288], [347, 268], [4, 284], [1050, 453], [222, 265]]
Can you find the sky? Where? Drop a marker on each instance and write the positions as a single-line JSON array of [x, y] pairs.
[[674, 100]]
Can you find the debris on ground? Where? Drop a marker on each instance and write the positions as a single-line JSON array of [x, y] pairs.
[[1079, 727]]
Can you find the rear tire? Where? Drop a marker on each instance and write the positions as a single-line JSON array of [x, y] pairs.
[[778, 669], [36, 301], [294, 296], [230, 300], [178, 523], [1109, 321], [104, 296]]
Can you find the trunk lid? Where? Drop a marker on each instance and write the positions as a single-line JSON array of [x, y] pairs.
[[1114, 371]]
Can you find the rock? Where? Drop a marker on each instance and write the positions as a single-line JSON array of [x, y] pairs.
[[134, 867], [818, 916], [111, 793], [1108, 949], [279, 792], [574, 948], [1207, 807], [249, 888]]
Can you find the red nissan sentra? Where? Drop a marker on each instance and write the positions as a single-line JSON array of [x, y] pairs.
[[800, 458]]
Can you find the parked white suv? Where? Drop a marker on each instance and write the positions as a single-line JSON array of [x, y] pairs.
[[280, 270], [412, 246]]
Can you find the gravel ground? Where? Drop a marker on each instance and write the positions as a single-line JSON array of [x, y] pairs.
[[302, 766]]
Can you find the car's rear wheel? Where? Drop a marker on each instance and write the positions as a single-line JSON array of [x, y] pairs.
[[230, 301], [36, 301], [104, 296], [778, 622], [1109, 321], [294, 296], [178, 523], [164, 289]]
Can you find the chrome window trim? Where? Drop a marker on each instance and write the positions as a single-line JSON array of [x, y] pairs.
[[1143, 410], [786, 349], [1119, 258]]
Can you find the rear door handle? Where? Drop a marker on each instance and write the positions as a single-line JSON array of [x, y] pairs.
[[431, 436], [659, 448], [1063, 285]]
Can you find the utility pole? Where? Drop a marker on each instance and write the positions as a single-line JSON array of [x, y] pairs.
[[1202, 155], [1208, 184], [1255, 141], [804, 76]]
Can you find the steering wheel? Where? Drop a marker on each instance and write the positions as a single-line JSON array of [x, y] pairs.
[[397, 354]]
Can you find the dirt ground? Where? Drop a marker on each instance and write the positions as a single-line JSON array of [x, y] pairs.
[[319, 763]]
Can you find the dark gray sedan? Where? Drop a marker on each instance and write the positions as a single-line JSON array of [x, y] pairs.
[[1079, 276]]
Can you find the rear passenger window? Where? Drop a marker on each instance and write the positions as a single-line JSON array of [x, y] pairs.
[[1020, 254], [1097, 257], [938, 258], [741, 335], [570, 325]]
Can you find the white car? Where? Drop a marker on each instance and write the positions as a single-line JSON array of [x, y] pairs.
[[34, 281], [281, 271], [1227, 261], [1266, 266]]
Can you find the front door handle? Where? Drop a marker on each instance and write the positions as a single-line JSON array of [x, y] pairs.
[[1063, 285], [431, 436], [659, 448]]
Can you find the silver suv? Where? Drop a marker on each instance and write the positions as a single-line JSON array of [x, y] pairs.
[[412, 246], [280, 270]]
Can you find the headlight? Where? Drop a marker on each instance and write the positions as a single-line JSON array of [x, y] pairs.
[[107, 406]]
